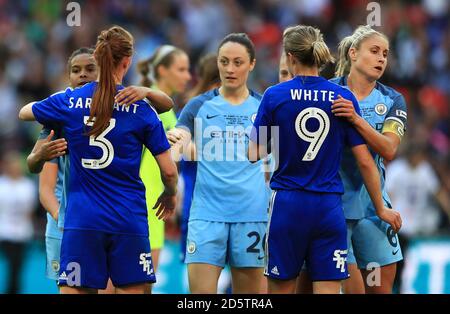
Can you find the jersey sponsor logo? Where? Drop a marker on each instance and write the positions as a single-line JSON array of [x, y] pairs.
[[191, 247], [275, 271], [212, 116], [340, 260], [146, 262], [380, 109], [395, 252]]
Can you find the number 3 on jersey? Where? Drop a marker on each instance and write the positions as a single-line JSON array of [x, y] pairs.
[[103, 143], [317, 137]]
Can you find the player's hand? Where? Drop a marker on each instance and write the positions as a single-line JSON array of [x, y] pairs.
[[392, 217], [52, 149], [129, 95], [344, 108], [165, 205], [175, 135]]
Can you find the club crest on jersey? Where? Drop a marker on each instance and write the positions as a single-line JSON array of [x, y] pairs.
[[55, 266], [380, 109], [191, 247]]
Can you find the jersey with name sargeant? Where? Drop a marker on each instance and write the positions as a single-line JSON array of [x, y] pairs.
[[105, 190], [385, 110], [228, 188], [308, 138]]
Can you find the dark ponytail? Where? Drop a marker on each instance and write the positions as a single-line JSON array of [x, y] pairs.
[[143, 68]]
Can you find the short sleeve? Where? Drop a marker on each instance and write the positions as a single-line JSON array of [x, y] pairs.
[[352, 136], [155, 138], [187, 116], [260, 132], [396, 118], [51, 111]]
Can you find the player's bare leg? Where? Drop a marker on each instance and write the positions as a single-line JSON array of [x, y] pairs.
[[387, 273], [110, 289], [276, 286], [247, 280], [327, 287], [73, 290], [203, 278], [304, 284], [264, 285], [355, 283], [132, 289]]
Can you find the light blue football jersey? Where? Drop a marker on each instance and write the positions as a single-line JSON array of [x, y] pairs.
[[228, 188], [52, 229], [383, 106]]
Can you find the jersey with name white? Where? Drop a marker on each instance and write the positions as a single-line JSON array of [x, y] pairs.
[[105, 192], [308, 137]]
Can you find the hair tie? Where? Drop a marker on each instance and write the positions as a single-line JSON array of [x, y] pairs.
[[163, 52]]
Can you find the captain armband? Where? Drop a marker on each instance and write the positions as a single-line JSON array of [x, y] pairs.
[[394, 125]]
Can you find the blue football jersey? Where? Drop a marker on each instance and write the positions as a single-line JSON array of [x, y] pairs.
[[308, 138], [385, 110], [228, 188], [105, 190]]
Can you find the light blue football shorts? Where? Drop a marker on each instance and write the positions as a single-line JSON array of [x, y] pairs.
[[371, 240], [220, 243], [53, 250]]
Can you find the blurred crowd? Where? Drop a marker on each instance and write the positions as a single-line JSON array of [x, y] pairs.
[[35, 43]]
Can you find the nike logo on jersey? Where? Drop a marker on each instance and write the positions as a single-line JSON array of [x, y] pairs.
[[395, 252], [213, 116]]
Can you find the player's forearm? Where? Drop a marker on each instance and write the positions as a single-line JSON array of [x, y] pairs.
[[190, 151], [169, 172], [372, 182], [170, 180], [26, 113], [378, 142], [35, 163], [160, 100], [49, 201], [256, 151]]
